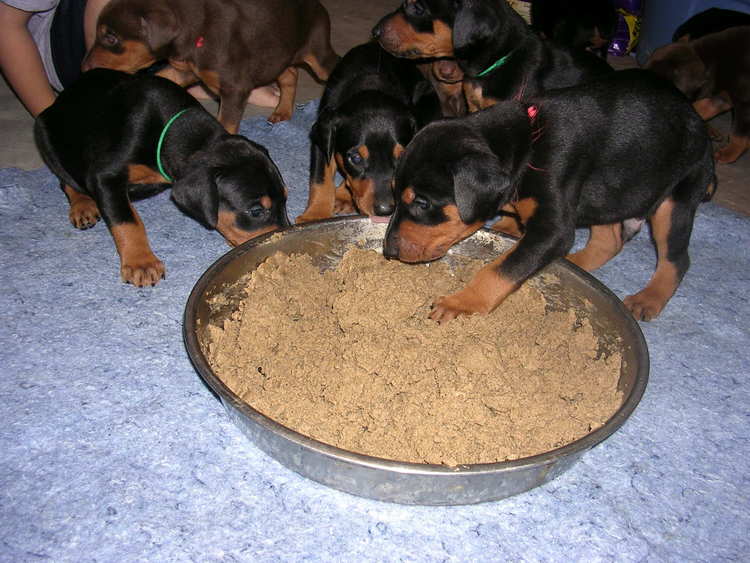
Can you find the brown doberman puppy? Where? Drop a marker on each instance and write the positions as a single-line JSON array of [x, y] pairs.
[[114, 137], [230, 46], [714, 73], [587, 156]]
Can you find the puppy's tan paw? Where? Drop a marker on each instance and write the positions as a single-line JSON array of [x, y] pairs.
[[84, 214], [644, 305], [143, 273]]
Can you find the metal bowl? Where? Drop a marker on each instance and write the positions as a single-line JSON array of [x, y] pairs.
[[393, 481]]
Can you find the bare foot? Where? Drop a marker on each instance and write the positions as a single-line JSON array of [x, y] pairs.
[[265, 96]]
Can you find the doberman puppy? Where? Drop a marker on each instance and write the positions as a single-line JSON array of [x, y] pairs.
[[714, 73], [372, 106], [500, 56], [591, 155], [114, 137], [580, 24], [709, 21], [230, 46]]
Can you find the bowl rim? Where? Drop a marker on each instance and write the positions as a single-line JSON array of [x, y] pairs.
[[576, 447]]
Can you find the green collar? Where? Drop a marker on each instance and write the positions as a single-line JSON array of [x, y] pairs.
[[167, 125], [498, 63]]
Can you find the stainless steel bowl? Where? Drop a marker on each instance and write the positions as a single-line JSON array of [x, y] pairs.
[[381, 479]]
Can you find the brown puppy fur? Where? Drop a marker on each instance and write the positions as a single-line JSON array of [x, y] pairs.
[[231, 47], [714, 73]]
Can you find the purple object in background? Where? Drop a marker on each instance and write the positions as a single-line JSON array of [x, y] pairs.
[[628, 29]]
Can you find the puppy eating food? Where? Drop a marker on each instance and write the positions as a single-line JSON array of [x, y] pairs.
[[113, 137], [371, 108], [606, 155]]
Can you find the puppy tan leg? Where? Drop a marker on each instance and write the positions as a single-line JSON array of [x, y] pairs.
[[486, 290], [708, 108], [83, 212], [322, 196], [649, 302], [138, 264], [520, 212], [736, 147], [605, 242], [287, 81], [344, 203]]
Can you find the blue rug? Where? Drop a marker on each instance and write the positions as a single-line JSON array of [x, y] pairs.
[[112, 449]]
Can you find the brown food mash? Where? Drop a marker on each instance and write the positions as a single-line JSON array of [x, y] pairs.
[[349, 357]]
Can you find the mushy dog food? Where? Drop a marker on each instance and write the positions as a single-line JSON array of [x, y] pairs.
[[350, 358]]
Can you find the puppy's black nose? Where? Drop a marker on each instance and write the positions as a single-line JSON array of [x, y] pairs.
[[377, 31], [384, 208], [389, 253]]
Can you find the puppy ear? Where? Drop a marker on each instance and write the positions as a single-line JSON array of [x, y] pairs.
[[480, 187], [197, 195], [323, 132], [472, 27], [159, 28]]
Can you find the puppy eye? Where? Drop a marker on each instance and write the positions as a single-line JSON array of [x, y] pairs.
[[256, 210], [421, 202], [109, 39], [418, 8], [355, 158]]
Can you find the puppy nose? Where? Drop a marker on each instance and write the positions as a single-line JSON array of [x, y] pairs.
[[384, 208], [377, 31], [389, 252]]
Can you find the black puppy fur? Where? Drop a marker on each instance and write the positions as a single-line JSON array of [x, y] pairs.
[[480, 34], [372, 106], [100, 138], [607, 155], [580, 24]]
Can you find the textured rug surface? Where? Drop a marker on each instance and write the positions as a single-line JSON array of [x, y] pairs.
[[112, 449]]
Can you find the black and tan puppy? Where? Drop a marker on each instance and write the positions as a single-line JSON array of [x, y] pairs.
[[371, 108], [500, 56], [580, 24], [230, 47], [114, 137], [607, 155], [714, 73]]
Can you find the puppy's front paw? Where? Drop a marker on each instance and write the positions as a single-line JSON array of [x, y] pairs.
[[464, 302], [730, 153], [280, 115], [644, 305], [343, 207], [446, 309], [307, 217], [509, 226], [141, 273], [84, 213], [727, 155]]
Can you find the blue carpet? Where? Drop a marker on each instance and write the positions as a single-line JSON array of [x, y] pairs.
[[112, 449]]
